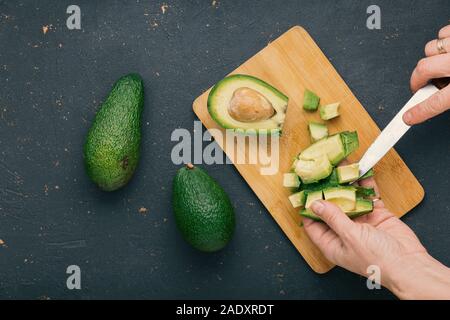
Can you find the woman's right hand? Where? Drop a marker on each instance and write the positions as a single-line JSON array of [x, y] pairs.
[[435, 65]]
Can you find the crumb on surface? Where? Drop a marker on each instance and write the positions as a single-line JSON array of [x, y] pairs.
[[164, 8], [45, 29], [143, 210]]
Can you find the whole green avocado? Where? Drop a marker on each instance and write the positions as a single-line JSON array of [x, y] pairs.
[[203, 211], [112, 147]]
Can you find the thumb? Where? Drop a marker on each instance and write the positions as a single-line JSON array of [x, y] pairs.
[[434, 105], [334, 217]]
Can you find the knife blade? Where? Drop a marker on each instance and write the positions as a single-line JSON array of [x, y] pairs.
[[392, 133]]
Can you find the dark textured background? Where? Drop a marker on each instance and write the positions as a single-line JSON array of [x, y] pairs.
[[51, 216]]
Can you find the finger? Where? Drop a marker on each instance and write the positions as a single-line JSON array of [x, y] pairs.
[[375, 218], [444, 32], [323, 237], [431, 48], [337, 220], [430, 68], [370, 183], [436, 104]]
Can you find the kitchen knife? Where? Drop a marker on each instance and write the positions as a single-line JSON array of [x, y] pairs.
[[396, 128]]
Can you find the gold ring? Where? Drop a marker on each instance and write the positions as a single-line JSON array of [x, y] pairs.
[[440, 46]]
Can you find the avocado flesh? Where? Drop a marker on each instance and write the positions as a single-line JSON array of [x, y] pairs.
[[313, 170], [221, 94], [329, 111], [112, 147], [310, 101], [297, 199], [203, 211], [317, 131], [343, 197], [362, 207], [332, 147], [291, 180], [313, 196], [348, 173], [337, 147]]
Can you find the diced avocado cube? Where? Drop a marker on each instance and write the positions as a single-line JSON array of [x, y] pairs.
[[313, 170], [311, 197], [329, 111], [310, 101], [343, 197], [363, 206], [317, 131], [291, 180], [348, 173], [297, 199]]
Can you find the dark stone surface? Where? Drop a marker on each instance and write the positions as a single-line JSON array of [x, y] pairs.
[[51, 216]]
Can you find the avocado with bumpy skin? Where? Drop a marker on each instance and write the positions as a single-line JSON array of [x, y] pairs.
[[112, 147], [203, 211]]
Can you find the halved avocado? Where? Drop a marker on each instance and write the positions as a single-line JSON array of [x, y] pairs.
[[247, 105]]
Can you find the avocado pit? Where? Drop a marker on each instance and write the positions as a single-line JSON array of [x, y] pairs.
[[248, 105]]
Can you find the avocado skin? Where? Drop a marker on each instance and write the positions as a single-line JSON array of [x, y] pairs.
[[203, 211], [112, 147]]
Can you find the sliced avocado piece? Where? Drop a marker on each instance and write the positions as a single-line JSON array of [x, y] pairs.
[[329, 111], [368, 174], [363, 206], [365, 192], [332, 146], [313, 170], [330, 181], [247, 105], [350, 141], [298, 199], [291, 180], [312, 196], [348, 173], [317, 131], [343, 197], [310, 101]]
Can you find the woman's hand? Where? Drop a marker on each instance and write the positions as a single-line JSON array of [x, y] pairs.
[[435, 65], [380, 239]]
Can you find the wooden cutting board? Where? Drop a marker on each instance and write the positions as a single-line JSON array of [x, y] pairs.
[[292, 63]]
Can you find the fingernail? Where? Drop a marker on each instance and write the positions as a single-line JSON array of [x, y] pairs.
[[317, 207], [407, 117]]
